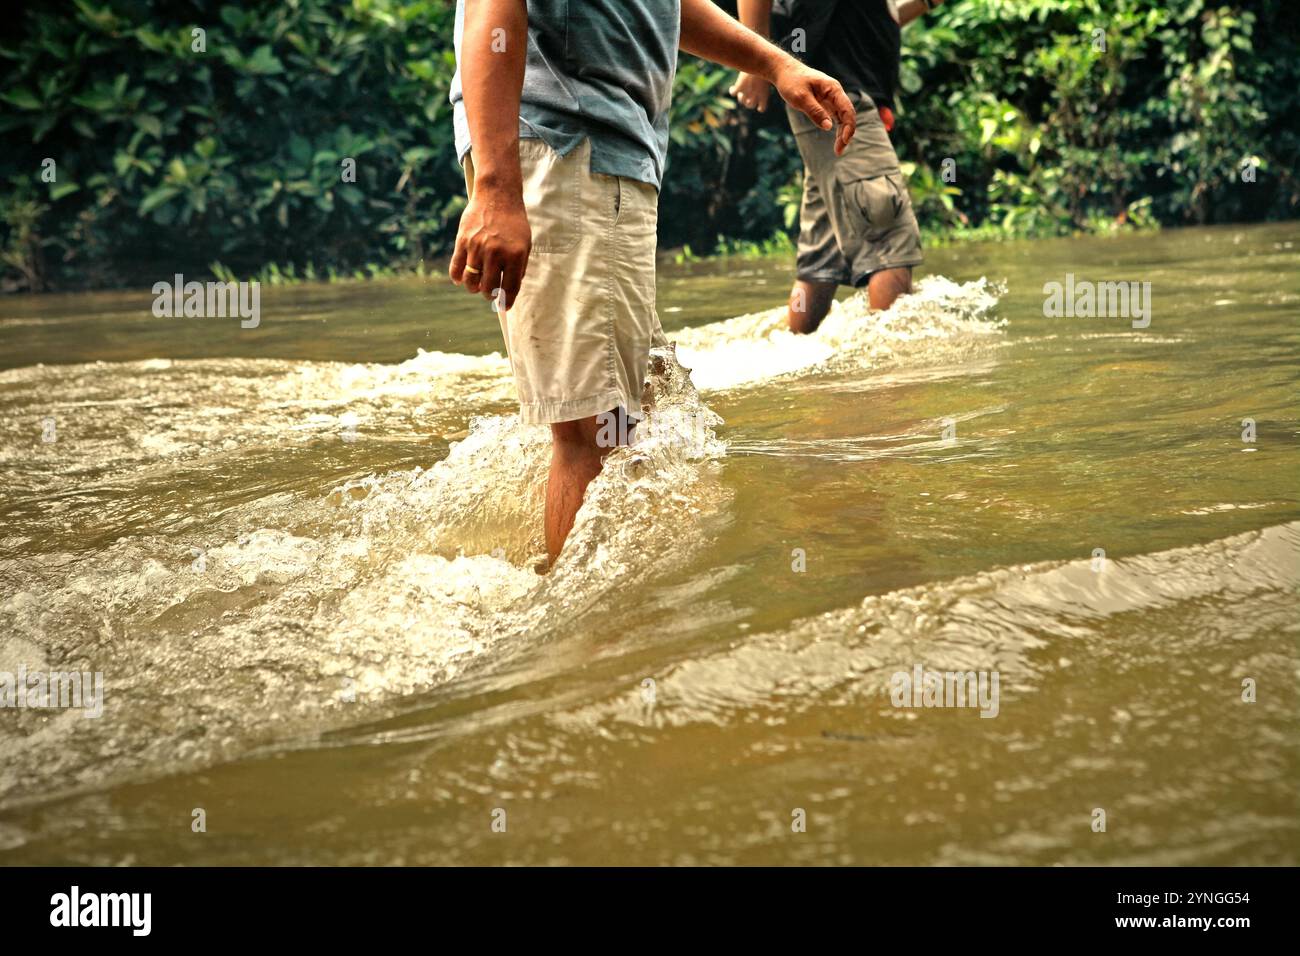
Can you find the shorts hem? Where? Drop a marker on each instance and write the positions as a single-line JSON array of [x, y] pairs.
[[839, 278], [862, 275], [552, 413]]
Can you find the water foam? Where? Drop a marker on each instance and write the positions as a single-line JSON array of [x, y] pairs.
[[759, 347], [994, 620], [314, 611]]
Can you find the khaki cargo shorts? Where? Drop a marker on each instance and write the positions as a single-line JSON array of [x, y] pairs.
[[856, 216], [579, 333]]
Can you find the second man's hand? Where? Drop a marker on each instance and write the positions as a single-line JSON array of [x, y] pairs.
[[752, 91]]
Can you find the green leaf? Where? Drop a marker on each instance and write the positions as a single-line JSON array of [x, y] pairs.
[[418, 154], [150, 124], [300, 149], [21, 97], [263, 62], [156, 198], [909, 79]]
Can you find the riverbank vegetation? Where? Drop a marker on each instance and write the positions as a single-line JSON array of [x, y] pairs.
[[312, 138]]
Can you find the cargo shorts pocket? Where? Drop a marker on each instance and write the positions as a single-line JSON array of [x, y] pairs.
[[552, 194], [871, 206]]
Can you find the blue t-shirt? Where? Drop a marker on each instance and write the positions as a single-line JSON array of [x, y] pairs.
[[599, 70]]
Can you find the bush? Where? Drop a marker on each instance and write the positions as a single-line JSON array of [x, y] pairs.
[[136, 147], [173, 148], [1073, 115], [1057, 116]]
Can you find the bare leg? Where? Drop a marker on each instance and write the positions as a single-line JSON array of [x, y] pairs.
[[887, 285], [809, 303], [577, 450]]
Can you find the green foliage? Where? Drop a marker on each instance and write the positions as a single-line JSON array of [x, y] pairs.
[[779, 243], [174, 149], [175, 156], [1064, 115]]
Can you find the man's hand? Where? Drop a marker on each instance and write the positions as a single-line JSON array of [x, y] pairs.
[[492, 244], [752, 91], [709, 33], [818, 96]]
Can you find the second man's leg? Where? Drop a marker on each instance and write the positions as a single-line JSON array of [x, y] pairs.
[[886, 285], [809, 303]]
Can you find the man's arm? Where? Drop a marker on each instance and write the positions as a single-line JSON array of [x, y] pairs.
[[909, 10], [494, 238], [709, 33]]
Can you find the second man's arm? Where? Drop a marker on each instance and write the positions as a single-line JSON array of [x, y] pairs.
[[754, 91]]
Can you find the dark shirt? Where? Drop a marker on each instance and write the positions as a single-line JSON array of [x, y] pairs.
[[860, 48]]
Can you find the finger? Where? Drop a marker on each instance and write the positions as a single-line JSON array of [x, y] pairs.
[[842, 106], [845, 112], [473, 271], [491, 274], [512, 277], [813, 110], [457, 268], [845, 136], [847, 132]]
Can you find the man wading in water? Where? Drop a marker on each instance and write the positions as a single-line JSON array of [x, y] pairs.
[[561, 119], [856, 225]]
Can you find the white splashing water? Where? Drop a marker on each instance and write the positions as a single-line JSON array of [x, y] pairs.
[[759, 347], [309, 609]]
